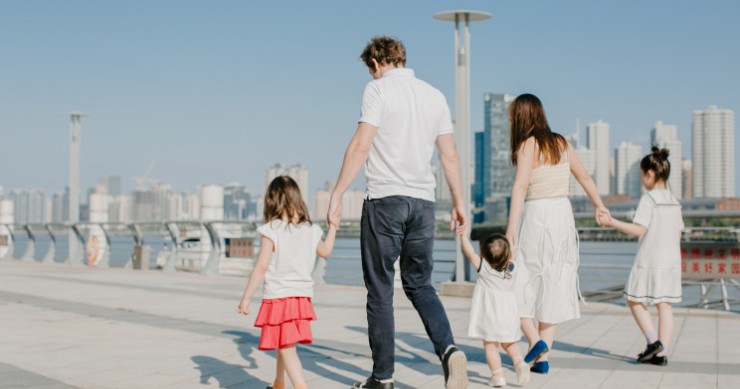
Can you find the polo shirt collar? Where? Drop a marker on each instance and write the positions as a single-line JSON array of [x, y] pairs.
[[399, 72]]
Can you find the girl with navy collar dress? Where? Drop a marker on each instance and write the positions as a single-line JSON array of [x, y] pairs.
[[656, 274]]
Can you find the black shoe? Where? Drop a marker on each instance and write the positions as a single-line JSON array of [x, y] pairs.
[[658, 360], [372, 383], [455, 367], [650, 351]]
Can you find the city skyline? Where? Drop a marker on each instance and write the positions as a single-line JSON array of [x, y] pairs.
[[210, 100]]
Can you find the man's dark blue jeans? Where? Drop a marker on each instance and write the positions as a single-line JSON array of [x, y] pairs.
[[399, 227]]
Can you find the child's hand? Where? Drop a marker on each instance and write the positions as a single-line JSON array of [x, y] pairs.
[[243, 307], [604, 218], [331, 225], [462, 231]]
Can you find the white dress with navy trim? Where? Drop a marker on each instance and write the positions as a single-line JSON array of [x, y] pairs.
[[656, 273], [494, 315]]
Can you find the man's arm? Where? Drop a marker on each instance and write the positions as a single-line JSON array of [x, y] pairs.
[[451, 167], [354, 158]]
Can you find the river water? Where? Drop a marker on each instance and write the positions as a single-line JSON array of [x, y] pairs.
[[603, 264]]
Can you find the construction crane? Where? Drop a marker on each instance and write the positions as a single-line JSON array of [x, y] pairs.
[[142, 180]]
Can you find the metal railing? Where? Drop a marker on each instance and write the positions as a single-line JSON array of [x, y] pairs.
[[203, 247]]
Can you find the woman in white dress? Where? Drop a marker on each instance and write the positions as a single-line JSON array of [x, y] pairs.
[[542, 228], [656, 274]]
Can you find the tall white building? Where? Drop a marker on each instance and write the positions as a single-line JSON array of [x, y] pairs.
[[351, 202], [597, 139], [297, 172], [687, 177], [588, 160], [666, 136], [712, 154], [30, 206], [627, 157]]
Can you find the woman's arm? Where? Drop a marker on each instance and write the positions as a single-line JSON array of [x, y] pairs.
[[525, 159], [588, 185], [323, 249], [258, 274]]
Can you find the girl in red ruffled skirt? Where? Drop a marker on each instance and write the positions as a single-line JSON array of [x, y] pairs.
[[289, 244]]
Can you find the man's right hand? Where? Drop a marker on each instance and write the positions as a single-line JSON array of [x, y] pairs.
[[457, 216]]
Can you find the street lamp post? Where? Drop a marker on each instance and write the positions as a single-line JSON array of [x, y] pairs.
[[74, 186], [462, 19]]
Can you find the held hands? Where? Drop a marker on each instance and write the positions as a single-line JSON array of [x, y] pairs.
[[462, 231], [457, 216], [603, 217]]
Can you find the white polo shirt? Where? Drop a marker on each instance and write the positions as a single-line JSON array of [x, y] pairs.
[[410, 114]]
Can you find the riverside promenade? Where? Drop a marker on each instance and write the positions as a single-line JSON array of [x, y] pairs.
[[65, 326]]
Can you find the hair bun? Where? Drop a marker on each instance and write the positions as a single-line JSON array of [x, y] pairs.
[[660, 153]]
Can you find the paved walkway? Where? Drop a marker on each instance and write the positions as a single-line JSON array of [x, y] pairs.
[[64, 326]]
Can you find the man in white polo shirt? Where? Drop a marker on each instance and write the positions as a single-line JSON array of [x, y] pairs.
[[403, 119]]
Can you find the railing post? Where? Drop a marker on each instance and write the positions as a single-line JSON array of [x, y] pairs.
[[30, 244], [211, 267], [49, 256], [79, 241], [169, 266]]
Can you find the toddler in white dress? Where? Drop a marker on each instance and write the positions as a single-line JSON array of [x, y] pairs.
[[656, 274], [494, 316]]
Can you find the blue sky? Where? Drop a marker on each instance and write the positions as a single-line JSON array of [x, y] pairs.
[[217, 91]]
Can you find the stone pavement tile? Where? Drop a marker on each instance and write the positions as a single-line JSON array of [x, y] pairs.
[[700, 356], [728, 382], [688, 381], [582, 379], [730, 357], [632, 379], [13, 377]]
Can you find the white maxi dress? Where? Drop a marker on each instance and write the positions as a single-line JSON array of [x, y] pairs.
[[547, 249]]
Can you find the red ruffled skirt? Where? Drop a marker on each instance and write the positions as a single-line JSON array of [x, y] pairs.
[[285, 321]]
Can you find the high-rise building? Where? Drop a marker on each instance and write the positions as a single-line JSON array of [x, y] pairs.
[[120, 209], [666, 136], [479, 171], [498, 172], [588, 160], [713, 152], [57, 208], [687, 177], [238, 203], [597, 139], [29, 206], [627, 158], [297, 172], [351, 202], [112, 185]]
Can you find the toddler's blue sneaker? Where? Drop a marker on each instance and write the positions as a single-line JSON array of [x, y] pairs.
[[540, 367], [538, 349]]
